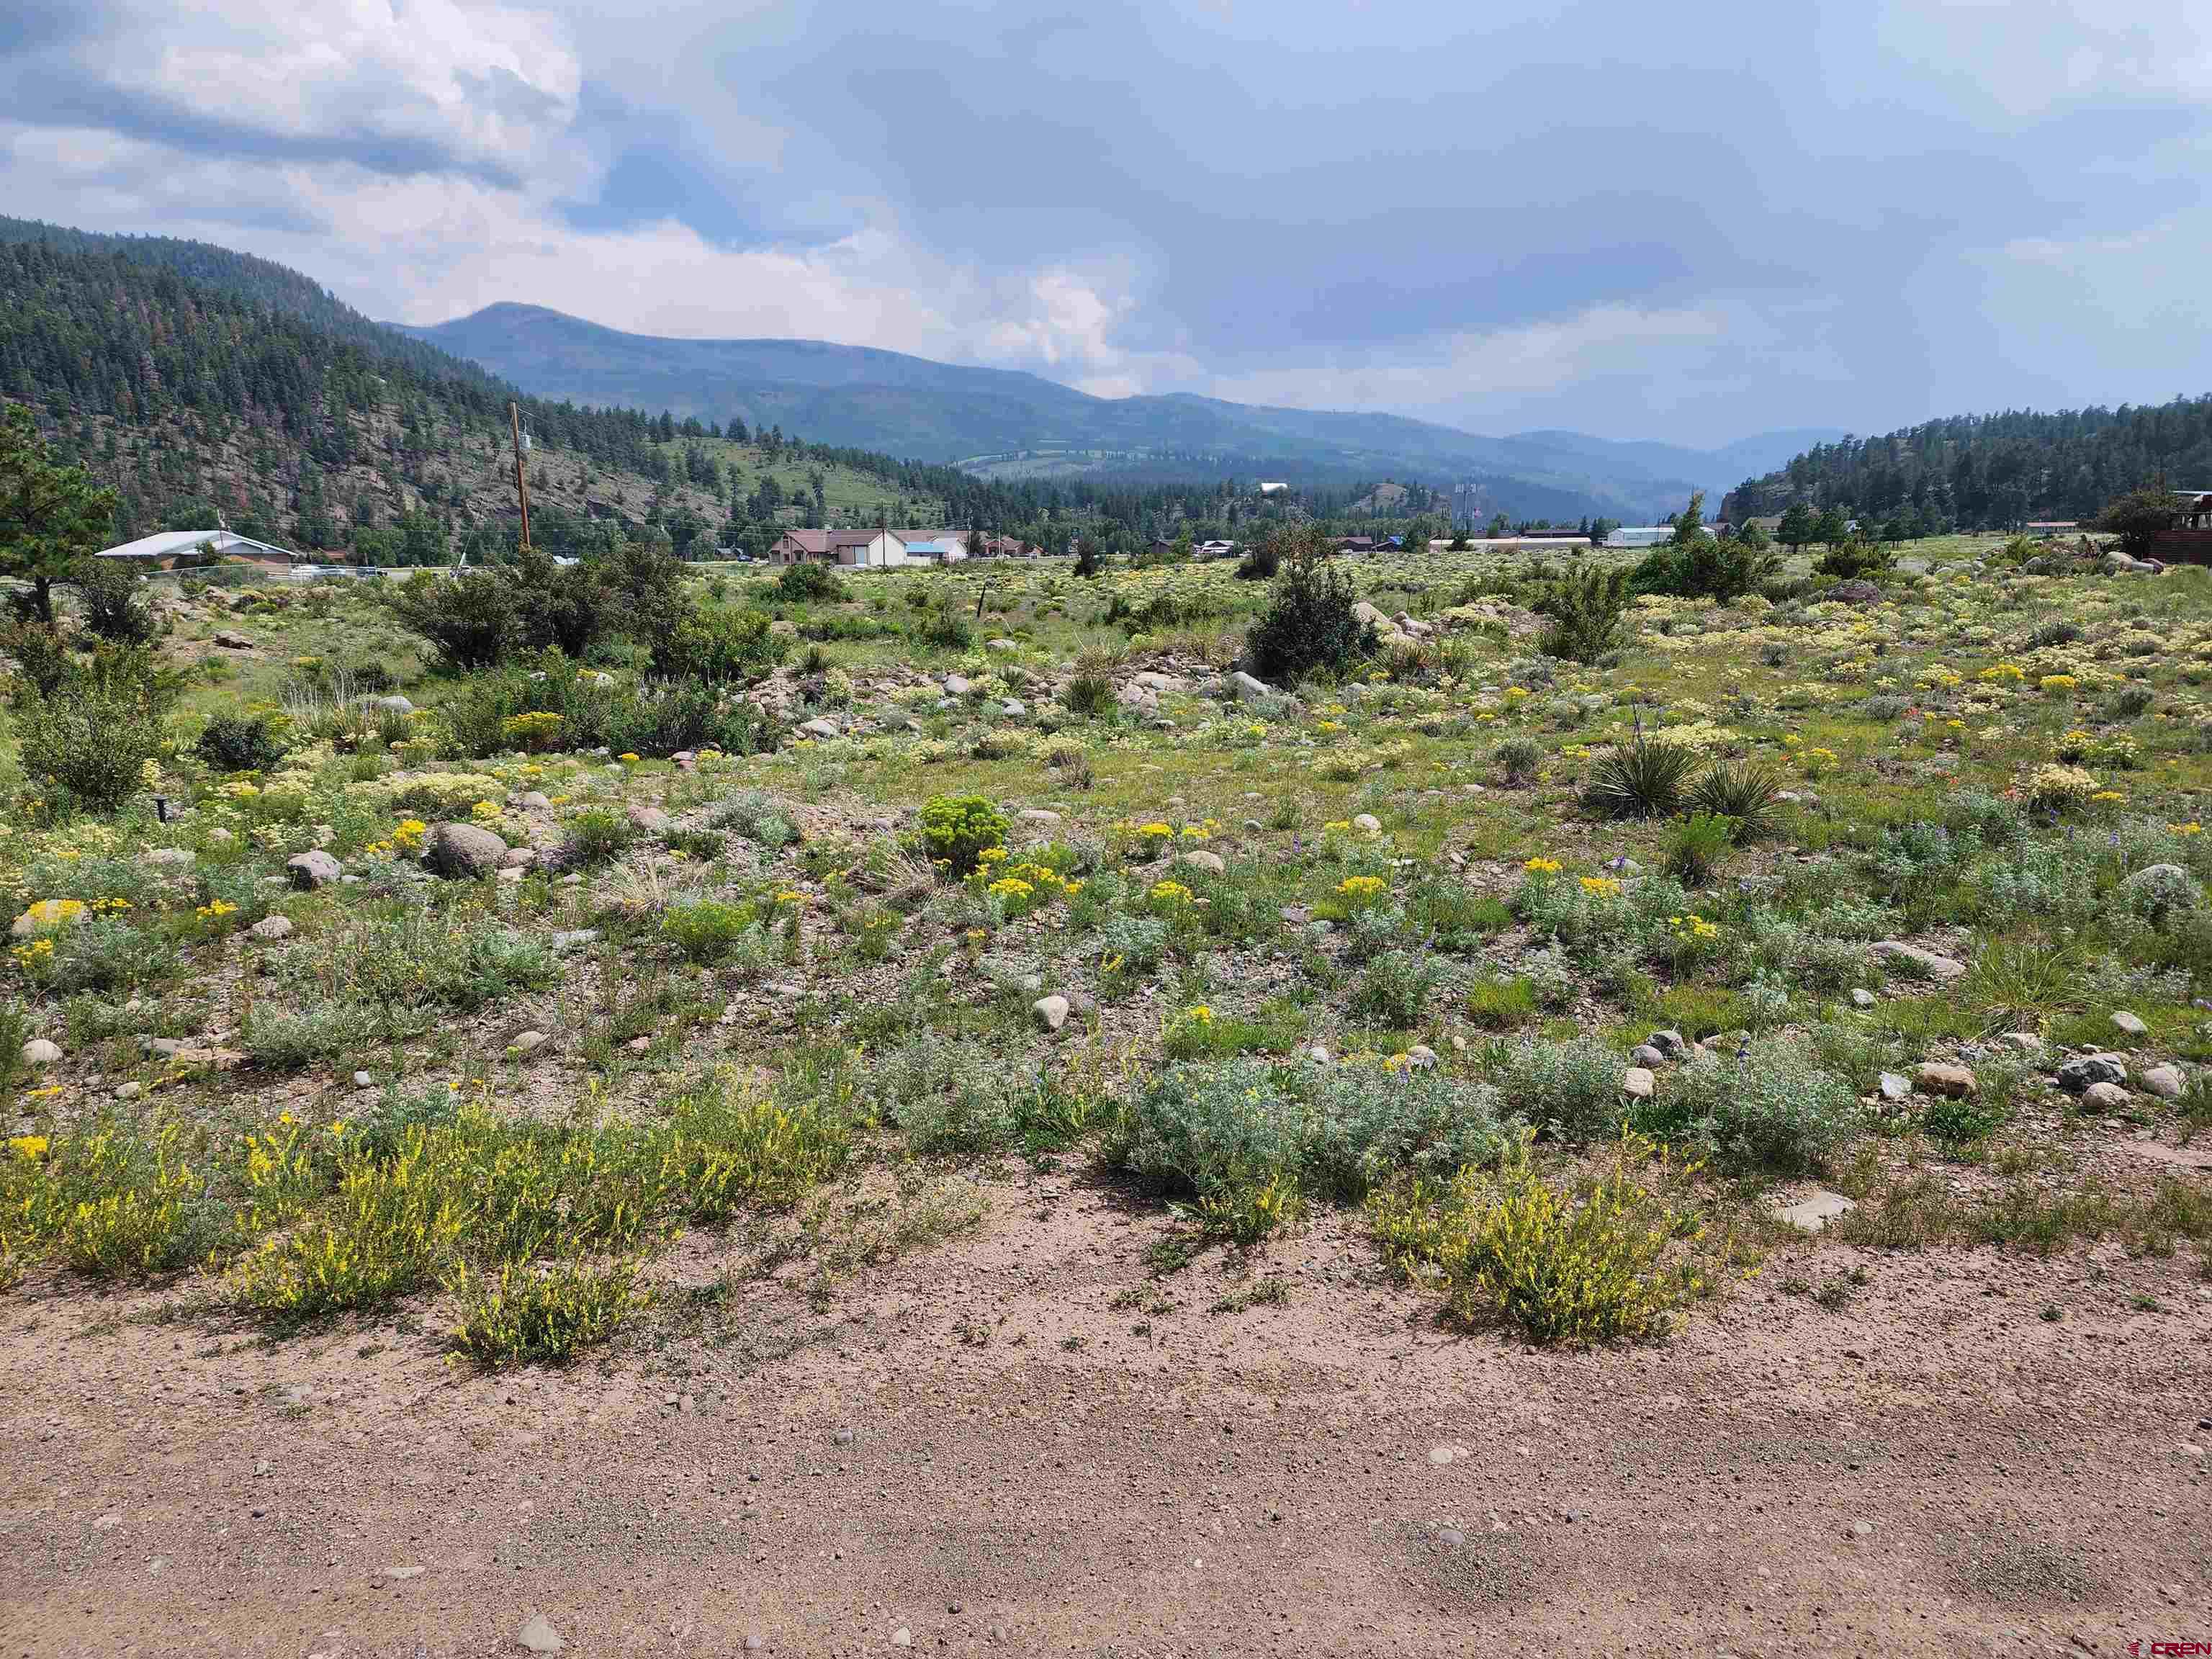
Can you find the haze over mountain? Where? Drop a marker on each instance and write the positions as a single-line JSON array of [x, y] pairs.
[[1008, 423]]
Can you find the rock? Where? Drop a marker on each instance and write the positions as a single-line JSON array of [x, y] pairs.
[[823, 729], [1004, 647], [536, 800], [1295, 915], [2129, 1024], [1200, 858], [1862, 1528], [1051, 1012], [2157, 889], [1368, 824], [2104, 1098], [638, 1045], [41, 1051], [313, 868], [1861, 997], [364, 1080], [2025, 1043], [1647, 1056], [233, 641], [1953, 1081], [461, 850], [1013, 708], [403, 1574], [128, 1091], [902, 1637], [1248, 689], [270, 929], [574, 939], [538, 1636], [47, 915], [1638, 1083], [1038, 815], [1890, 1086], [956, 686], [2164, 1081], [1669, 1043], [2084, 1072], [1421, 1058], [1318, 1054], [651, 819], [171, 856], [394, 704], [518, 858], [525, 1042], [1813, 1213], [1854, 592], [1921, 963]]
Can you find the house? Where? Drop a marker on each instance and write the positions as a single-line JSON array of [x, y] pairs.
[[1217, 550], [161, 550], [801, 547], [1268, 487], [1002, 547], [1355, 543], [945, 547], [868, 549]]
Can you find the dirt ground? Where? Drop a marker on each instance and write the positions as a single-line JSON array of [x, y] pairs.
[[972, 1450]]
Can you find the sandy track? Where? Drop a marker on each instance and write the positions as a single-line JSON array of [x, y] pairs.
[[1265, 1481]]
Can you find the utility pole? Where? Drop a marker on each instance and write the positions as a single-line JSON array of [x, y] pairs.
[[521, 483]]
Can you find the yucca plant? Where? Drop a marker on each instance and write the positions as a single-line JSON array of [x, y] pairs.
[[1744, 790], [1639, 780]]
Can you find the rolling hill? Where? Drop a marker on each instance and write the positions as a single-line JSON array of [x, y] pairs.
[[1007, 424]]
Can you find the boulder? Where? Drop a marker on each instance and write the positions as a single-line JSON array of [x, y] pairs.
[[1669, 1043], [1812, 1214], [1051, 1012], [1919, 963], [270, 929], [172, 857], [955, 685], [1200, 858], [1891, 1086], [518, 858], [1638, 1083], [313, 868], [233, 641], [41, 1052], [1368, 824], [1038, 815], [1248, 689], [1857, 591], [2104, 1098], [2129, 1024], [2158, 890], [461, 851], [2164, 1081], [650, 820], [2084, 1072], [823, 729], [1861, 997]]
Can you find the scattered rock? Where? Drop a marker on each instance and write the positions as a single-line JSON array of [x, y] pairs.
[[650, 820], [1368, 824], [2026, 1043], [823, 729], [902, 1637], [171, 856], [1039, 815], [525, 1042], [1669, 1043], [403, 1574], [1647, 1056], [518, 858], [1890, 1086], [461, 851], [2164, 1081], [1927, 962], [536, 800], [270, 929], [1954, 1081], [2129, 1024], [956, 686], [1013, 708], [41, 1051], [538, 1636], [364, 1080], [1861, 997], [574, 939], [313, 868], [1421, 1058], [1857, 591], [1051, 1012], [1248, 689], [233, 641], [1638, 1083], [1813, 1213], [1200, 858]]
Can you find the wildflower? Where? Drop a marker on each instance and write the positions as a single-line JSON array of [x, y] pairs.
[[409, 835], [53, 913], [1169, 894], [990, 855], [30, 1147], [1011, 887], [1541, 867], [1335, 825], [626, 756], [790, 898], [1362, 889], [2192, 828], [1601, 886], [1201, 1015]]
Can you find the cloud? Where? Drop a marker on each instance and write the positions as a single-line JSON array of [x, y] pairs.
[[1587, 213]]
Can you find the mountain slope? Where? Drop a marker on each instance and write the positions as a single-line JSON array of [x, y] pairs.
[[1996, 470], [996, 420]]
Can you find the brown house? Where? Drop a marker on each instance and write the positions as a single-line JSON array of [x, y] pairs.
[[802, 547]]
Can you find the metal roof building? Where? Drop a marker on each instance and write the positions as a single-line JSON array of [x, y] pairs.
[[169, 543]]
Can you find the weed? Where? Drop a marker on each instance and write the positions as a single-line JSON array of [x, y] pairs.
[[526, 1315]]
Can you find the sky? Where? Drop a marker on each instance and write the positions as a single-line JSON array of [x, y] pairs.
[[1684, 223]]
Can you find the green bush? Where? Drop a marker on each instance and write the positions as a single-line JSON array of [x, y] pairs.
[[1572, 1088], [1694, 846], [1308, 625], [1395, 990], [95, 731], [1517, 759], [805, 582], [113, 608], [706, 930], [470, 619], [1743, 791], [1589, 616], [956, 828], [239, 742], [721, 646], [524, 1314], [1776, 1108]]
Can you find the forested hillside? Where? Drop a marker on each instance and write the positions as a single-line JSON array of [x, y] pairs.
[[193, 379], [1992, 471]]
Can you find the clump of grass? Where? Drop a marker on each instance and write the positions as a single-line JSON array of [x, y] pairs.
[[707, 930], [1694, 846], [1395, 990], [523, 1315], [1572, 1265], [597, 836], [1517, 759], [1503, 1005]]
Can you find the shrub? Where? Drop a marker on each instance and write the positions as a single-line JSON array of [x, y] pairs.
[[1308, 625], [1573, 1088], [1517, 759], [118, 1199], [93, 733], [1743, 790], [1395, 990], [1089, 695], [113, 608], [2141, 517], [1694, 846], [804, 582], [1704, 567], [728, 1147], [754, 815], [1644, 779], [721, 646], [1501, 1005], [470, 619], [1567, 1265], [1777, 1108], [956, 828], [595, 836], [1857, 561], [239, 742], [526, 1315], [1589, 616]]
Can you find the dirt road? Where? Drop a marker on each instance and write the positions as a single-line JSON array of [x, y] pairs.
[[975, 1450]]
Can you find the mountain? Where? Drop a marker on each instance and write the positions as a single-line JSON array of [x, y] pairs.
[[1005, 423], [1994, 470]]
